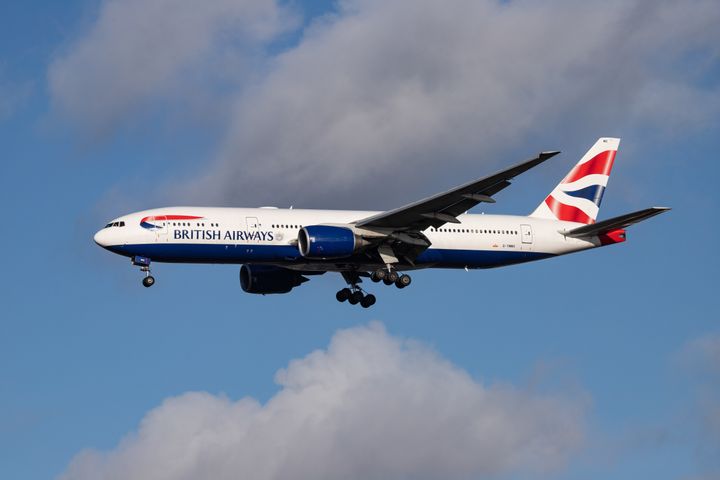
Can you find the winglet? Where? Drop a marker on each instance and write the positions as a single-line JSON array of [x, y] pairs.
[[549, 153]]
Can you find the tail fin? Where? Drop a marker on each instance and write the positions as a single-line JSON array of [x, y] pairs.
[[577, 197]]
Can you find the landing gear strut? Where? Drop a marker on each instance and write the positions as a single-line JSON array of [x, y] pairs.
[[144, 264]]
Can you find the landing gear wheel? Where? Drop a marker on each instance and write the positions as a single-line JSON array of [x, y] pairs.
[[392, 276], [343, 295], [403, 281], [378, 275], [356, 297], [368, 301], [148, 281]]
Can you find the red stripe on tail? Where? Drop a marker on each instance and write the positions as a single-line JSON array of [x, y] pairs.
[[600, 164], [567, 212]]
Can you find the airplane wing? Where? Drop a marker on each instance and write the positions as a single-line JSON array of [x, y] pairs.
[[615, 223], [444, 207]]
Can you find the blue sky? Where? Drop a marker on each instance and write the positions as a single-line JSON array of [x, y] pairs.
[[107, 107]]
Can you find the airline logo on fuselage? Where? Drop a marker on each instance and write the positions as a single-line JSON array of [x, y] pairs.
[[145, 222], [203, 233]]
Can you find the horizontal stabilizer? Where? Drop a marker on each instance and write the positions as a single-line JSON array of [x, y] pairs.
[[616, 223]]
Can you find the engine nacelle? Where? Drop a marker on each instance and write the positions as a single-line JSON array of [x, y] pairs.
[[328, 241], [265, 279]]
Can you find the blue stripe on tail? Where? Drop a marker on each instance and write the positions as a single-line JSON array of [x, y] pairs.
[[594, 193]]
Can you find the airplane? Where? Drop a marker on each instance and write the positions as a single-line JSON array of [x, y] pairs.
[[280, 248]]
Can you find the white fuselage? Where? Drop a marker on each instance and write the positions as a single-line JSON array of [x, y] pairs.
[[269, 236]]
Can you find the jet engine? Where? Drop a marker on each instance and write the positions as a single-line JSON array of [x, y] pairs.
[[329, 241], [265, 279]]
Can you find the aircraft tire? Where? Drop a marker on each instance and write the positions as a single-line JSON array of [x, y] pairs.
[[356, 297], [403, 281], [343, 295], [368, 301], [148, 281], [392, 277]]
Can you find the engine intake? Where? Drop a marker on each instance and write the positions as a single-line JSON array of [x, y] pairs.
[[266, 279], [328, 241]]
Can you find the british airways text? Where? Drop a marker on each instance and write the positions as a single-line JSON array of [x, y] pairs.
[[235, 235]]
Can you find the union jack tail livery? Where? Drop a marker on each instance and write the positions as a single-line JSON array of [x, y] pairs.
[[577, 197]]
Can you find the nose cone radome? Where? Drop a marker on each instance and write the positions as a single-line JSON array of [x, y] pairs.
[[101, 238]]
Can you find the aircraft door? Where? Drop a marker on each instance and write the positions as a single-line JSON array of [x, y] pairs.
[[526, 234]]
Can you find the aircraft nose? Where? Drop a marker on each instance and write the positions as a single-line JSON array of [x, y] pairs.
[[101, 237]]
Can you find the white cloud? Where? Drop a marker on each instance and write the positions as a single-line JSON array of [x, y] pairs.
[[370, 406], [385, 94], [392, 92], [142, 51]]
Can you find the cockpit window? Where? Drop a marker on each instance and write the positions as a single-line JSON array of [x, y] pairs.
[[115, 224]]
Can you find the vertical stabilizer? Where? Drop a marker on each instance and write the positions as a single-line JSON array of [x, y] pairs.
[[577, 197]]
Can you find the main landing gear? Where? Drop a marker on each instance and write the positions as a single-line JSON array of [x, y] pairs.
[[390, 277], [355, 294], [144, 264]]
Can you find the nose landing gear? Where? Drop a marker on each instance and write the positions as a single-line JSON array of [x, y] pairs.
[[144, 264]]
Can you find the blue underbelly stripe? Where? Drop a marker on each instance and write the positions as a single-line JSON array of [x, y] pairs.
[[288, 254]]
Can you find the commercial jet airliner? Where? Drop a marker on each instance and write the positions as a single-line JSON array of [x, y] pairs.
[[280, 248]]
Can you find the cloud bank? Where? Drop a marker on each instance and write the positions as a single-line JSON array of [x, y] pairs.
[[386, 93], [370, 406], [144, 52]]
